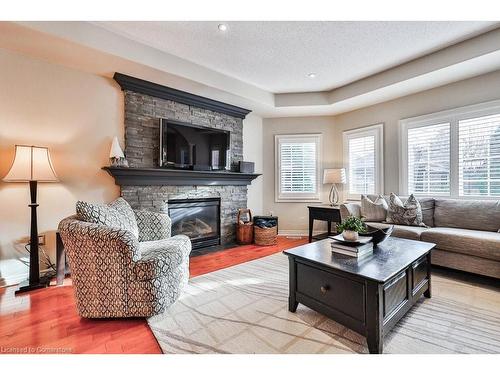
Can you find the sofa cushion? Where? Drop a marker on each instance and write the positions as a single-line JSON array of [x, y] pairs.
[[427, 205], [407, 213], [469, 214], [401, 231], [465, 241], [373, 210]]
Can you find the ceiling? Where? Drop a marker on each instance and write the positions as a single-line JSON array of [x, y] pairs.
[[278, 56]]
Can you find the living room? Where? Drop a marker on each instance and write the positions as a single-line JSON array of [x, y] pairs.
[[246, 186]]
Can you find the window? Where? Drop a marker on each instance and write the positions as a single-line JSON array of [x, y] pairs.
[[297, 167], [452, 153], [363, 160], [429, 159], [479, 156]]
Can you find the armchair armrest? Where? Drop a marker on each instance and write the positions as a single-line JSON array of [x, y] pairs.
[[350, 209], [153, 226]]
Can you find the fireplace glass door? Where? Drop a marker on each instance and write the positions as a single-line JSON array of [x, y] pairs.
[[199, 219]]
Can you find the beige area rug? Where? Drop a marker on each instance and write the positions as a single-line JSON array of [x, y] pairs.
[[244, 309]]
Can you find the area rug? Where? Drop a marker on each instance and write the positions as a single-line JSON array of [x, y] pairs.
[[244, 309]]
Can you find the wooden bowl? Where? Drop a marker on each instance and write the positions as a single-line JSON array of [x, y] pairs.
[[378, 235]]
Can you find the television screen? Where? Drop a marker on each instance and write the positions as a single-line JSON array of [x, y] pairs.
[[188, 146]]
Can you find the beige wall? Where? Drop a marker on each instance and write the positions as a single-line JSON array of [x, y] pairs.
[[75, 114], [293, 216]]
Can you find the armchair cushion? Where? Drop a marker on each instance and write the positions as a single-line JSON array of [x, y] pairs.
[[118, 214], [162, 257], [152, 226]]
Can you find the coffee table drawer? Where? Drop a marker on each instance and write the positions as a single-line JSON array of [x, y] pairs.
[[342, 294]]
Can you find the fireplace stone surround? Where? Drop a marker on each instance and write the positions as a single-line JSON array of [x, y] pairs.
[[142, 114]]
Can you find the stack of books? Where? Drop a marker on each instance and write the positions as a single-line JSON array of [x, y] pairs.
[[358, 249]]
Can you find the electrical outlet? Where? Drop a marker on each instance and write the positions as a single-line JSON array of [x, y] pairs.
[[41, 239]]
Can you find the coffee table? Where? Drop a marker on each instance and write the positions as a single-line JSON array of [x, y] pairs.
[[369, 295]]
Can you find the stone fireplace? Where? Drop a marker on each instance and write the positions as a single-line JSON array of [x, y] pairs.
[[145, 104]]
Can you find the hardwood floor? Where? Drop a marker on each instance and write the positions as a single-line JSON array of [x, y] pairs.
[[46, 321]]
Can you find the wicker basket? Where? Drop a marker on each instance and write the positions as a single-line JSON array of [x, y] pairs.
[[265, 236], [244, 232]]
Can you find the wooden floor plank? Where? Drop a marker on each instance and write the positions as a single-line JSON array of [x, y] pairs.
[[48, 319]]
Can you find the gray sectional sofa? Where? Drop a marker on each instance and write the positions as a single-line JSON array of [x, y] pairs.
[[465, 232]]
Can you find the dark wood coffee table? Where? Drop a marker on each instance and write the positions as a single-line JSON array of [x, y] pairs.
[[368, 295]]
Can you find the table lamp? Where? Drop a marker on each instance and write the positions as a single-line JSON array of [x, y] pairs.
[[32, 164], [334, 177]]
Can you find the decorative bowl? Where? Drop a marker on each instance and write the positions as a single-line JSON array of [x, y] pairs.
[[378, 234]]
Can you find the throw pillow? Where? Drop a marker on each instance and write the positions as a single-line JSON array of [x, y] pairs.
[[373, 210], [102, 214], [408, 213], [123, 207]]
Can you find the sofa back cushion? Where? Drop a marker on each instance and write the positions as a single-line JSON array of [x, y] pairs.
[[467, 214], [427, 205]]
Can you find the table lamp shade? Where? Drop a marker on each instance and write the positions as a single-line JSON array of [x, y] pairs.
[[334, 176], [31, 163]]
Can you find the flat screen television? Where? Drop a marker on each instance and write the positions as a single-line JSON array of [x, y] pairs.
[[187, 146]]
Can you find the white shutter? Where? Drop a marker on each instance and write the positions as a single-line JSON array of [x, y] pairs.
[[429, 159], [361, 154], [479, 156], [297, 167]]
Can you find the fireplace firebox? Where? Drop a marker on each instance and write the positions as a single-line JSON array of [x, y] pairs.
[[199, 219]]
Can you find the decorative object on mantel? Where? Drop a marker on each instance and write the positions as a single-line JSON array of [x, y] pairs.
[[244, 227], [116, 156], [265, 230], [32, 164], [178, 177], [246, 166], [334, 177]]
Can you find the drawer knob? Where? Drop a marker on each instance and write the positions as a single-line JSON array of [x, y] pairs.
[[324, 289]]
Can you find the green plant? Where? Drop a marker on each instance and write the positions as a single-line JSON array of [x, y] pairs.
[[351, 223]]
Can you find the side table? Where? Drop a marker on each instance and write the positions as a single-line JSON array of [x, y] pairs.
[[323, 212]]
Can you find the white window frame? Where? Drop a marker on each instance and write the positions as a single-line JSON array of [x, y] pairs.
[[377, 131], [452, 116], [297, 197]]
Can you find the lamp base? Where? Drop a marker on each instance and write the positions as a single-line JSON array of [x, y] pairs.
[[25, 286]]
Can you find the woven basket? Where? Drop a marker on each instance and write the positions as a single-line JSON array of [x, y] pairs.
[[265, 236]]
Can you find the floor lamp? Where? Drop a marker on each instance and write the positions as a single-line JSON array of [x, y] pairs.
[[32, 164]]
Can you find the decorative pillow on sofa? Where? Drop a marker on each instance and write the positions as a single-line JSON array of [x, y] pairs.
[[373, 210], [117, 214], [409, 213]]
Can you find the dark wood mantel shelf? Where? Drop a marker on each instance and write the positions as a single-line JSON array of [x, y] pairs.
[[164, 176]]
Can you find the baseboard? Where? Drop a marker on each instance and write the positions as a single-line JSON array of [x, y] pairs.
[[297, 232]]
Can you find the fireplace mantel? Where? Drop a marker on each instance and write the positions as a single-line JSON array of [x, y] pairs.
[[171, 177]]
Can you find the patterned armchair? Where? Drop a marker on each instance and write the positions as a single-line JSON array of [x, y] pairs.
[[117, 274]]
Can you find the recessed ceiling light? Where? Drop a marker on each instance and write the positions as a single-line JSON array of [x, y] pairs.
[[312, 75], [222, 27]]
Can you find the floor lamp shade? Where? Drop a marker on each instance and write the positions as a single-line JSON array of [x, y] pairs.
[[32, 164]]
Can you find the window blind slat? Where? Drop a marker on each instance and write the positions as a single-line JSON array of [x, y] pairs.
[[298, 167], [361, 153]]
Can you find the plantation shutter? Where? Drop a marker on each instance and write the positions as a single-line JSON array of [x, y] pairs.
[[479, 156], [361, 154], [298, 167], [429, 160]]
